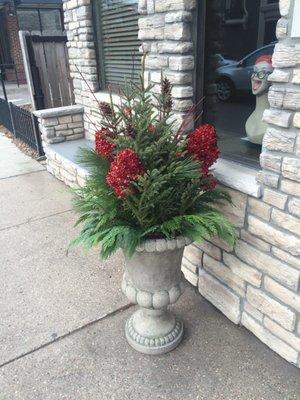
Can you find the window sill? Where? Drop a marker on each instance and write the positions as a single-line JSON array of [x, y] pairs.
[[103, 95], [238, 177]]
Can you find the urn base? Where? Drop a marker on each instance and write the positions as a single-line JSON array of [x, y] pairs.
[[153, 331]]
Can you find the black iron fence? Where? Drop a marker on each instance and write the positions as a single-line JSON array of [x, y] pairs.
[[22, 123], [25, 127], [5, 117]]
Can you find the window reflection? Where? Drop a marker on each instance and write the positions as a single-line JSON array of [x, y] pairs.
[[246, 41]]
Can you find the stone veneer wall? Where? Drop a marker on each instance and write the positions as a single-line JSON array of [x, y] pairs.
[[257, 283], [58, 125], [165, 33]]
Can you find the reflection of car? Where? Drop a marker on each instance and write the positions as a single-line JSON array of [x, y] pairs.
[[236, 78], [222, 61]]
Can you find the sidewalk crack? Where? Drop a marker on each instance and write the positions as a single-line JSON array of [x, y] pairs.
[[67, 334]]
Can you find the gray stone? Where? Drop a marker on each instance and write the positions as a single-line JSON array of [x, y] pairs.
[[69, 367], [59, 111], [12, 163], [152, 329]]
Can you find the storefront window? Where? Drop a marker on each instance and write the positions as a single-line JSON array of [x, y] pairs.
[[240, 37]]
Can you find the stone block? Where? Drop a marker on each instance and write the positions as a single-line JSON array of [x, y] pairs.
[[151, 34], [236, 212], [286, 221], [65, 132], [181, 63], [282, 28], [182, 91], [267, 264], [284, 7], [220, 296], [296, 120], [244, 271], [253, 311], [275, 97], [290, 187], [294, 206], [172, 5], [178, 31], [190, 266], [279, 140], [279, 75], [286, 257], [224, 274], [268, 178], [272, 235], [178, 16], [276, 344], [74, 137], [256, 242], [190, 276], [280, 292], [277, 117], [291, 168], [193, 254], [259, 208], [296, 76], [67, 176], [152, 21], [61, 127], [286, 55], [209, 249], [270, 161], [48, 122], [174, 47], [77, 118], [272, 308], [182, 104], [74, 125], [275, 198], [156, 62], [179, 78], [286, 336], [222, 244], [291, 100]]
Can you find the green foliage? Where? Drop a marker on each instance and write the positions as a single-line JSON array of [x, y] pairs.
[[168, 200]]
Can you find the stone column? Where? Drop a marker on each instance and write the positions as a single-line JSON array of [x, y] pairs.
[[166, 35]]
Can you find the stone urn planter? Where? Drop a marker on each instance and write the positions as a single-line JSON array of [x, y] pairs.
[[153, 280]]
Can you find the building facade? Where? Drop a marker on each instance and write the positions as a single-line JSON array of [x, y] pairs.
[[255, 284]]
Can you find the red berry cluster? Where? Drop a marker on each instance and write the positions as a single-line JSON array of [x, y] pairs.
[[102, 146], [202, 145], [125, 168]]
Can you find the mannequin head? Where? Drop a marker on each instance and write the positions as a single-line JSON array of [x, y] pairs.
[[259, 79]]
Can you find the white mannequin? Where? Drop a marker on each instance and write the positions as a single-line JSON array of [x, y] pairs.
[[255, 126]]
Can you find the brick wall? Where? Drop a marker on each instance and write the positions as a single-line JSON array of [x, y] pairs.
[[257, 283], [15, 48]]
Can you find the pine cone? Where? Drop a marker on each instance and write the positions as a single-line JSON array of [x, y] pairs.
[[129, 130], [105, 108], [166, 87]]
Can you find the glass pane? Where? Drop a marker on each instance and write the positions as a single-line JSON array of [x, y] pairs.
[[51, 20], [28, 20], [243, 39]]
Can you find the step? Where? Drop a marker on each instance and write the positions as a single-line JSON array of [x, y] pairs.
[[62, 161]]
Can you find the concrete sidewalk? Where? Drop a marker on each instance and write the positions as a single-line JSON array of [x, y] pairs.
[[62, 317]]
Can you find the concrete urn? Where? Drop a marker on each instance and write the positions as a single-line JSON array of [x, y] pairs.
[[153, 280]]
